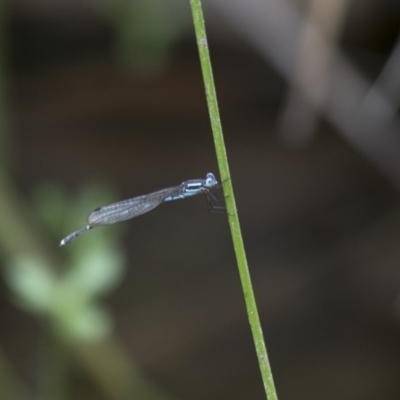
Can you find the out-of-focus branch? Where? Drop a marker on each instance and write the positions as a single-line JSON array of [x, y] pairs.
[[272, 27], [11, 387], [298, 119], [117, 377], [388, 82]]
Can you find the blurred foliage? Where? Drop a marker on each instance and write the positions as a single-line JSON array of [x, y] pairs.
[[66, 297], [69, 298], [146, 31]]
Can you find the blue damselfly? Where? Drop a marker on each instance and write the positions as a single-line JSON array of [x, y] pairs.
[[131, 208]]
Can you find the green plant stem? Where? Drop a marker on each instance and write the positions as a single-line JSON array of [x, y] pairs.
[[53, 367], [11, 386], [118, 377], [234, 224]]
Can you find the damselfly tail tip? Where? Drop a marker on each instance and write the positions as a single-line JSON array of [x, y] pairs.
[[64, 242], [74, 235]]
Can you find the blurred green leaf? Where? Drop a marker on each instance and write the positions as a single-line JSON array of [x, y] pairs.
[[32, 282], [94, 268], [69, 304], [87, 322], [97, 270]]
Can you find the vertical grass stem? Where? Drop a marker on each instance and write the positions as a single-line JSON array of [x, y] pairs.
[[245, 278]]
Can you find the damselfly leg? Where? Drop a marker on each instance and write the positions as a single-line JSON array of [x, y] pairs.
[[211, 199]]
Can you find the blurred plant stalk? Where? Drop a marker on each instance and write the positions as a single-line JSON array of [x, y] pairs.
[[11, 386], [298, 120], [105, 360], [272, 28]]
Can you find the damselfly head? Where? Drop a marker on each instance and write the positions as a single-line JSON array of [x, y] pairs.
[[210, 181]]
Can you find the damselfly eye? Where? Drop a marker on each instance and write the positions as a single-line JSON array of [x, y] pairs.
[[210, 179]]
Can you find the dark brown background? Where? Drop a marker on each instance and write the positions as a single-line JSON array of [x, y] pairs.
[[320, 220]]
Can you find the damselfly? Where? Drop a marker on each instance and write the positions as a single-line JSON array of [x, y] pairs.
[[131, 208]]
